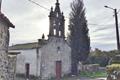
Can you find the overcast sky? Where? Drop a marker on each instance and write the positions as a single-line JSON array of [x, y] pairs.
[[32, 21]]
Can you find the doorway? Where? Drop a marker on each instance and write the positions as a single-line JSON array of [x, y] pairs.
[[58, 69]]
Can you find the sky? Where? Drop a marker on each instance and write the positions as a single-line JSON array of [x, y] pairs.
[[31, 21]]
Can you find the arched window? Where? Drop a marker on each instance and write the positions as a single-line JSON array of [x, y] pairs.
[[57, 15], [58, 50], [60, 33], [54, 31], [54, 23]]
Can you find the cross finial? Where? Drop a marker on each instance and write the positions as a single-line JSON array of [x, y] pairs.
[[43, 36], [51, 8], [57, 1]]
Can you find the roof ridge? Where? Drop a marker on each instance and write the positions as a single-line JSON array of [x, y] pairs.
[[6, 20]]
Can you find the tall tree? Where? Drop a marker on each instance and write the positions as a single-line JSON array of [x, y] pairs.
[[79, 38]]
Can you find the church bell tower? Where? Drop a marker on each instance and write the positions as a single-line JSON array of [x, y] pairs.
[[57, 22]]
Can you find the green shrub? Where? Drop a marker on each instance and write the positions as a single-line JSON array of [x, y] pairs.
[[93, 74]]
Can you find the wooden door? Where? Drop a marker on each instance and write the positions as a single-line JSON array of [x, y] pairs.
[[58, 69]]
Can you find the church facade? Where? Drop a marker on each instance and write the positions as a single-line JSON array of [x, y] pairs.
[[47, 58], [56, 54]]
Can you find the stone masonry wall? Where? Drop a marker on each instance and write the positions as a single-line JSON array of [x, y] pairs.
[[50, 55], [4, 42], [12, 67]]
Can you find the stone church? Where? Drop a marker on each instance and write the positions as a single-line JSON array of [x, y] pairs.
[[47, 58], [56, 54]]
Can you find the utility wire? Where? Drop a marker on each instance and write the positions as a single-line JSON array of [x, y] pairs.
[[102, 28], [118, 11], [42, 6], [104, 22], [66, 17], [96, 24], [39, 5], [49, 10]]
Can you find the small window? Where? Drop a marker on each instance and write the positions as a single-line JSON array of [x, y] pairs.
[[54, 23], [54, 31], [58, 50], [59, 23], [60, 33], [57, 15]]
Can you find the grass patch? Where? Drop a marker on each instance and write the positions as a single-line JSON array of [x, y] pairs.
[[93, 74], [85, 74]]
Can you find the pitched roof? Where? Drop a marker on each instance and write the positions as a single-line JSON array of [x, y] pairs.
[[4, 18], [27, 46]]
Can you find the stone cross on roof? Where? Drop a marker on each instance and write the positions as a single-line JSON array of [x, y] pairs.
[[57, 1]]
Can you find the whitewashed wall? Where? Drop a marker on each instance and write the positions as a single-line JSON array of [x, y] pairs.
[[26, 56]]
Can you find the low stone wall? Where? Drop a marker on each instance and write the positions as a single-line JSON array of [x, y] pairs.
[[90, 67]]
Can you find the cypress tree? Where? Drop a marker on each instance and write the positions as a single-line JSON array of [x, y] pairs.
[[78, 37]]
